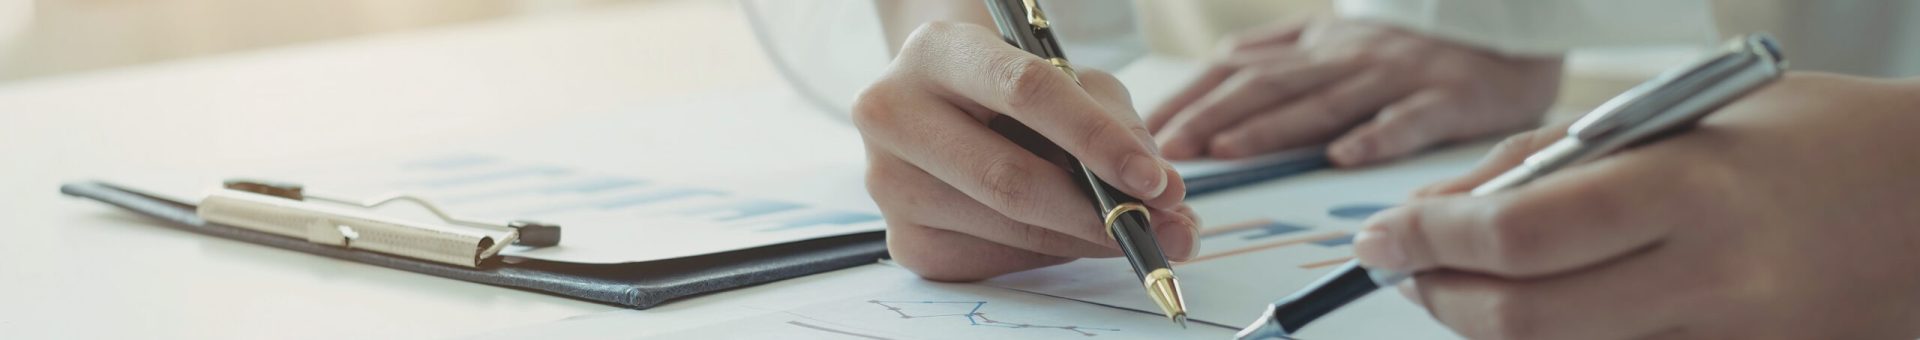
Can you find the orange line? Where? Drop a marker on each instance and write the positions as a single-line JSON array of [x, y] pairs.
[[1313, 265], [1276, 244], [1248, 224]]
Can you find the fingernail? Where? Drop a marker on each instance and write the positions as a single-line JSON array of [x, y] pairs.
[[1144, 175], [1378, 249]]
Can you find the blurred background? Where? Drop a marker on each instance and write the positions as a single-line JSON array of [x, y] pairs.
[[48, 37]]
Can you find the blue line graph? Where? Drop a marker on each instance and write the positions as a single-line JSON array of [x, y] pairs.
[[975, 317]]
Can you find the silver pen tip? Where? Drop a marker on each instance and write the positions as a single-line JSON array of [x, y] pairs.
[[1181, 319], [1263, 328]]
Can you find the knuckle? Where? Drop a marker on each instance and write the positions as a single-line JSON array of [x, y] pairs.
[[873, 107], [1008, 185], [1026, 82], [926, 35]]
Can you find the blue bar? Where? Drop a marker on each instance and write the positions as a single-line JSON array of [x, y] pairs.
[[1357, 211], [747, 209], [828, 218], [656, 196], [494, 176], [1336, 242]]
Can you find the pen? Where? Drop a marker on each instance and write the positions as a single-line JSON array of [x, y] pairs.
[[1664, 106], [1023, 24]]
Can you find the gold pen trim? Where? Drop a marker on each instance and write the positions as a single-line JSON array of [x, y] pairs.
[[1165, 292], [1122, 209], [1034, 16]]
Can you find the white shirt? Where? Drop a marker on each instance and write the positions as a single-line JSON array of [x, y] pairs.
[[830, 49]]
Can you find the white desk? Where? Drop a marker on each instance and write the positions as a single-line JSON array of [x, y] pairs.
[[76, 269]]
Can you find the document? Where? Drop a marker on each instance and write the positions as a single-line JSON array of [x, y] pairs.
[[605, 217], [876, 302], [1268, 240]]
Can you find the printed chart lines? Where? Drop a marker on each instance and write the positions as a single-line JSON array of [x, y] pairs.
[[835, 331], [975, 317]]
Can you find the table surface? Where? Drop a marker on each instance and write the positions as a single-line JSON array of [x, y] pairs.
[[74, 269]]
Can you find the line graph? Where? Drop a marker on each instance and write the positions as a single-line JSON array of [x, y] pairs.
[[975, 317]]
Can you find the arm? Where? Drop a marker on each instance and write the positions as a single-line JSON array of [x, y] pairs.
[[898, 18]]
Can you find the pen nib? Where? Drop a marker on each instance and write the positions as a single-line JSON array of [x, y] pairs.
[[1165, 291]]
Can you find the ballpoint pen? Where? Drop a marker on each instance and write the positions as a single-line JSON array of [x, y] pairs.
[[1024, 25], [1664, 106]]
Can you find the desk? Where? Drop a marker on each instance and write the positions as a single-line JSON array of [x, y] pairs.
[[75, 269]]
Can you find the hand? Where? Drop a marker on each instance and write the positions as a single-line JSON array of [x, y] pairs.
[[1790, 214], [1376, 92], [957, 134]]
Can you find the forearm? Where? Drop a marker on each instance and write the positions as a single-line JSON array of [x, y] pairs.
[[898, 18]]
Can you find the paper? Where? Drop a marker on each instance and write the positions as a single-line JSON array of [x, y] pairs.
[[880, 302], [605, 218], [1268, 241], [676, 180]]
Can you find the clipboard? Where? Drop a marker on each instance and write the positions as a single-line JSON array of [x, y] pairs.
[[638, 285]]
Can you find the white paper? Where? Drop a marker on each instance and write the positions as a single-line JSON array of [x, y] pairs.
[[662, 181], [605, 217], [877, 302], [1266, 241]]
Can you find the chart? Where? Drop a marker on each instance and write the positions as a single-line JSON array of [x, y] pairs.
[[607, 218], [1278, 237], [927, 310]]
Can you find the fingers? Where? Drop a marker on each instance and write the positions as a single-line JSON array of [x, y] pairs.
[[1573, 219], [1113, 96], [969, 64], [917, 198], [943, 255], [1311, 119], [1647, 293], [1506, 155], [1210, 79], [1252, 90], [935, 137], [1398, 130]]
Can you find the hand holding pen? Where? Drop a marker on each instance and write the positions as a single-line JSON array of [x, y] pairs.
[[1766, 223], [969, 196]]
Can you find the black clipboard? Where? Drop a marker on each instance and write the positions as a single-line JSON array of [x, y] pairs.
[[638, 285]]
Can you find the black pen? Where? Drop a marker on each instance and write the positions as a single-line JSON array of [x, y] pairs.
[[1023, 24], [1659, 108]]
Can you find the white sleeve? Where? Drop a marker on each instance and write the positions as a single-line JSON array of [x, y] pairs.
[[1544, 27]]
